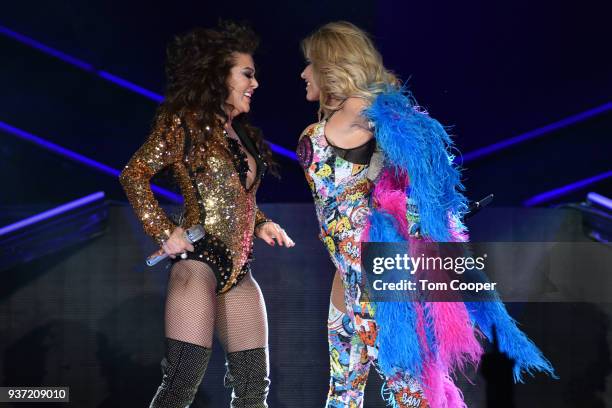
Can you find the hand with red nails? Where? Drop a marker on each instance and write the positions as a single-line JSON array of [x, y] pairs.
[[272, 233]]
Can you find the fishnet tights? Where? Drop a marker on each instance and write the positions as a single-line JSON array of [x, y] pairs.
[[194, 312]]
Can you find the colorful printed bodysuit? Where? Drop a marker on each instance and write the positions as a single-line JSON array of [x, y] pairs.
[[341, 190]]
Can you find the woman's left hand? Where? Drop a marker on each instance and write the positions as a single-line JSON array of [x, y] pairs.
[[270, 231]]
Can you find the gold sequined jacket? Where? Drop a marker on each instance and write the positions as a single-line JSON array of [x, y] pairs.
[[212, 179]]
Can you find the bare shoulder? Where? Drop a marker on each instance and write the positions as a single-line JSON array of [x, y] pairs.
[[356, 106], [349, 127], [353, 114]]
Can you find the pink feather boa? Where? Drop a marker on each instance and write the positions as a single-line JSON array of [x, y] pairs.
[[455, 336]]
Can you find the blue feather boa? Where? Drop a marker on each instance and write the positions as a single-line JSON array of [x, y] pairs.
[[394, 317], [414, 143]]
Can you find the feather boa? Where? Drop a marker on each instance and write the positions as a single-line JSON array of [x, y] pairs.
[[437, 337], [414, 143]]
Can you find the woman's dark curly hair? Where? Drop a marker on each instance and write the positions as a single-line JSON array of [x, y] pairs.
[[197, 67]]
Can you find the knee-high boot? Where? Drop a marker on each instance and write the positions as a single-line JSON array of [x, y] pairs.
[[183, 369], [247, 374]]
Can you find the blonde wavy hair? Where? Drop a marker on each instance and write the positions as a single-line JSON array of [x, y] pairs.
[[345, 64]]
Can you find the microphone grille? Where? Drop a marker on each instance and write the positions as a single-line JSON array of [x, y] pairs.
[[195, 233]]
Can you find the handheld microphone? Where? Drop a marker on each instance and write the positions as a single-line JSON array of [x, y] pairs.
[[476, 206], [192, 235]]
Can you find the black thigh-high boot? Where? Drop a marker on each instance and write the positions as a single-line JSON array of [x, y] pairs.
[[183, 369], [247, 374]]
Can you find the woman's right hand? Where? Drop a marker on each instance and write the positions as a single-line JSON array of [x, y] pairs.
[[176, 244]]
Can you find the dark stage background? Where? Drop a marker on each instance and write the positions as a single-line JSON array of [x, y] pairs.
[[90, 316], [489, 70]]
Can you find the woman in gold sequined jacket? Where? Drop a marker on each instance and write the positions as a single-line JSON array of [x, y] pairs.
[[218, 160]]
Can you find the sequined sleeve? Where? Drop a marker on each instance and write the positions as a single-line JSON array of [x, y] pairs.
[[162, 148], [260, 218]]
